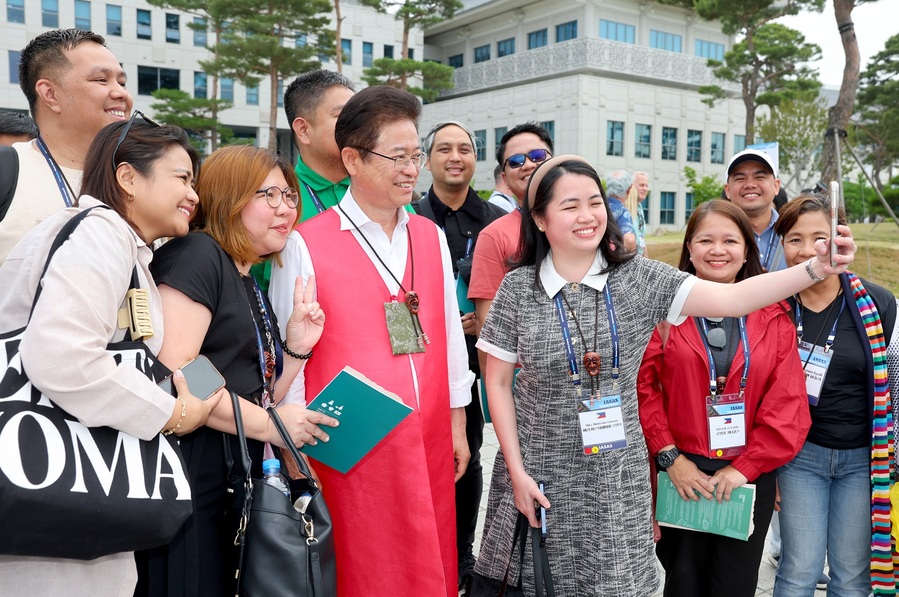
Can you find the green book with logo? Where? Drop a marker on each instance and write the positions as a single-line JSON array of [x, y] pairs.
[[367, 413], [731, 519]]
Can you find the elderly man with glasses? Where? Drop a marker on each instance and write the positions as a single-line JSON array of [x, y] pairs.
[[384, 278]]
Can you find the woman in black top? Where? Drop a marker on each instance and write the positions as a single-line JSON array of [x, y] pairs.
[[835, 493], [212, 306]]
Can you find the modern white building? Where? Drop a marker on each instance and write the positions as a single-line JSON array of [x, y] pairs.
[[615, 81], [157, 49]]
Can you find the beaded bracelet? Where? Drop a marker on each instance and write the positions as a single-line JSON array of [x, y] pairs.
[[811, 271], [183, 414], [295, 355]]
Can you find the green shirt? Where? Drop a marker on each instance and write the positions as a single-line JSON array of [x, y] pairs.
[[328, 193]]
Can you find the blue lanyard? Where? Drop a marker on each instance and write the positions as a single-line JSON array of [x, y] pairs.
[[267, 385], [315, 200], [68, 195], [828, 344], [573, 370], [713, 373], [766, 258]]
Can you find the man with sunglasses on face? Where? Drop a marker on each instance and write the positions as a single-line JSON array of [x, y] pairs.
[[519, 152], [74, 87]]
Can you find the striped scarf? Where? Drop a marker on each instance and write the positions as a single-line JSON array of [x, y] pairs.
[[884, 558]]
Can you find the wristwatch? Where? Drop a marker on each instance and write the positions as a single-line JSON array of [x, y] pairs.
[[666, 458]]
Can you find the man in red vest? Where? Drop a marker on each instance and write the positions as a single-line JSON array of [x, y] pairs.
[[384, 280]]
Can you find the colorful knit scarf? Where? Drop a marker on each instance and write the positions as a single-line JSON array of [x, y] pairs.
[[884, 559]]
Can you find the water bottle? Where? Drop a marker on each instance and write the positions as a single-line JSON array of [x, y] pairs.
[[271, 474]]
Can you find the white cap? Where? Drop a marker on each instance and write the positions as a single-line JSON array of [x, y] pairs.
[[752, 155]]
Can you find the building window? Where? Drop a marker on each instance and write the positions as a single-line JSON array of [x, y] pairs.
[[300, 40], [200, 91], [388, 51], [717, 156], [14, 56], [280, 93], [83, 15], [456, 61], [252, 96], [15, 11], [537, 39], [614, 138], [368, 53], [498, 133], [550, 126], [481, 54], [172, 28], [666, 208], [616, 31], [50, 13], [709, 49], [150, 78], [566, 31], [694, 146], [411, 53], [505, 47], [739, 143], [227, 88], [669, 143], [114, 20], [346, 50], [688, 206], [144, 24], [480, 138], [642, 140], [664, 41], [199, 32]]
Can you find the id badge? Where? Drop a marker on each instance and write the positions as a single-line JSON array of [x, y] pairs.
[[727, 425], [602, 424], [403, 339], [815, 362]]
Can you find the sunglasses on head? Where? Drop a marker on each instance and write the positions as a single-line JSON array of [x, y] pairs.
[[716, 336], [535, 155], [134, 114]]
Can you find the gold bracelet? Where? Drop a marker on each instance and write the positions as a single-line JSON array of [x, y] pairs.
[[183, 414]]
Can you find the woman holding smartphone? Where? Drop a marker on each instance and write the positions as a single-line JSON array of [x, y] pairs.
[[213, 307], [834, 496]]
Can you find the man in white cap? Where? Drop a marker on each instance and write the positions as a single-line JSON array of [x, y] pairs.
[[751, 185]]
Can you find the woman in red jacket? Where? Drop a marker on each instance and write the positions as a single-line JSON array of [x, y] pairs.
[[722, 404]]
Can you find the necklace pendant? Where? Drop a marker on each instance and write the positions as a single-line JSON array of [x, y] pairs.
[[269, 365], [592, 363], [720, 382], [413, 303]]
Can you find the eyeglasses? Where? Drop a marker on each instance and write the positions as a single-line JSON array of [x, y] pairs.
[[124, 133], [402, 162], [716, 336], [535, 155], [274, 196]]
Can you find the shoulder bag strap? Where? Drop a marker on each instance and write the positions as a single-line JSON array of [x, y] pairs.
[[543, 578], [237, 472], [9, 177]]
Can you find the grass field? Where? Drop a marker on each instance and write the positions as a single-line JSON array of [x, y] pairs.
[[877, 259]]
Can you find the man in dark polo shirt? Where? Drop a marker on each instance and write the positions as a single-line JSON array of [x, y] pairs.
[[454, 206]]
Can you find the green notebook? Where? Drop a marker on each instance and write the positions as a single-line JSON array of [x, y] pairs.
[[730, 519], [367, 413]]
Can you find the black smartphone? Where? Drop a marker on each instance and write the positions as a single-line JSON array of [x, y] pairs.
[[202, 377], [541, 513]]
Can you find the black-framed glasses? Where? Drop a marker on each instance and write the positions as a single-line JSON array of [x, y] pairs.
[[274, 196], [716, 336], [401, 162], [124, 133], [535, 155]]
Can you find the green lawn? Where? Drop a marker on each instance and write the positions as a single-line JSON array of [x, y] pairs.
[[877, 258]]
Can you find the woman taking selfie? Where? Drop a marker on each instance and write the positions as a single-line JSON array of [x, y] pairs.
[[577, 312], [144, 173], [752, 419], [248, 205], [837, 489]]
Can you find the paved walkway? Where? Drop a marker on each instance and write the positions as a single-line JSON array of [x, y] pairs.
[[488, 454]]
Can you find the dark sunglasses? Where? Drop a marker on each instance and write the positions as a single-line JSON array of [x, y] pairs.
[[716, 336], [124, 133], [535, 155]]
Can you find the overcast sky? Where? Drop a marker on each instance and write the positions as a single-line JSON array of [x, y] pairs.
[[874, 24]]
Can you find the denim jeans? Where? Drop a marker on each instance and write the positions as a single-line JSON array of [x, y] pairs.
[[825, 509]]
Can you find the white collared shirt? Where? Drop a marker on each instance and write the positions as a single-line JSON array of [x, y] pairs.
[[394, 252]]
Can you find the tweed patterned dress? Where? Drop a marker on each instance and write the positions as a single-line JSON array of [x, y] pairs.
[[600, 525]]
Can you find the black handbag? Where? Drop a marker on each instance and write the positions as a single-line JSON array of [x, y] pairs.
[[71, 491], [281, 551], [482, 586]]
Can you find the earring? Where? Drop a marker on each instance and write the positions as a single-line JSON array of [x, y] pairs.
[[691, 258], [540, 228]]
